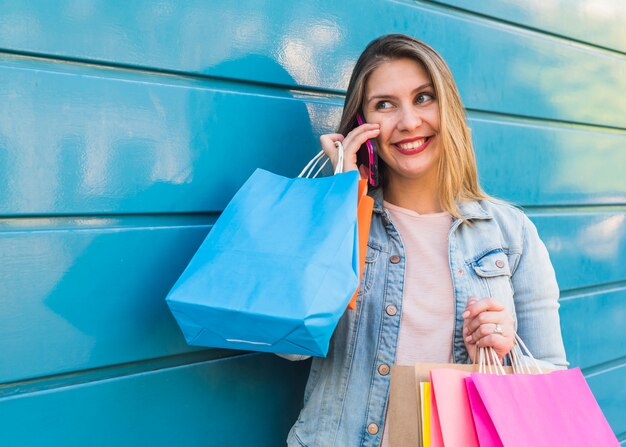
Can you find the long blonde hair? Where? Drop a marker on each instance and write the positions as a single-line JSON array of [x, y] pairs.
[[457, 174]]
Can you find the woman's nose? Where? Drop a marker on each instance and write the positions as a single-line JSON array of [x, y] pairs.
[[410, 119]]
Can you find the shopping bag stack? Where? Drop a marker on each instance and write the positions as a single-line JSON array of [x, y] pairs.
[[279, 267], [489, 405]]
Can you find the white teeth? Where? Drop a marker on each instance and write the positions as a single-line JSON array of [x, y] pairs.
[[412, 145]]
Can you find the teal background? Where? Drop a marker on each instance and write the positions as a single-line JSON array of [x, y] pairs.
[[125, 128]]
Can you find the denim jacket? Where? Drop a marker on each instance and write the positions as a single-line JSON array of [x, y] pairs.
[[496, 253]]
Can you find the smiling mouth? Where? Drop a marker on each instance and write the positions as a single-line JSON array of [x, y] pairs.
[[413, 147]]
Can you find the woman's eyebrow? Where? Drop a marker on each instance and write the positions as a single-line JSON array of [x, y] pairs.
[[383, 96]]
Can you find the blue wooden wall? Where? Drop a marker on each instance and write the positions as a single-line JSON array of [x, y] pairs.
[[125, 127]]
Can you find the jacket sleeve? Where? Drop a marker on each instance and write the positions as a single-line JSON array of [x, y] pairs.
[[536, 295]]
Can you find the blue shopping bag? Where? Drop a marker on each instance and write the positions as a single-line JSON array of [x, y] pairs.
[[278, 268]]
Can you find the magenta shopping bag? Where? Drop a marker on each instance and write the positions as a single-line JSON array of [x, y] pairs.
[[485, 431], [539, 410]]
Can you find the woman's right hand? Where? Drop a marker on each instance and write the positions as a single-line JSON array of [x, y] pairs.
[[351, 144]]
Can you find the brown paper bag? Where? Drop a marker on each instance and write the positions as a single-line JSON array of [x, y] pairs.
[[422, 370], [403, 420]]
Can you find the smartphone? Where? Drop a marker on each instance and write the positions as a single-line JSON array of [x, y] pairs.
[[368, 155]]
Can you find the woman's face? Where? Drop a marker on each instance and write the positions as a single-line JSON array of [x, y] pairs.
[[399, 96]]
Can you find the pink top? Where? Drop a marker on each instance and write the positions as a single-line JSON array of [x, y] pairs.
[[427, 324]]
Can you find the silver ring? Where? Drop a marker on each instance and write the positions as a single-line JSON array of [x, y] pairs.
[[498, 329]]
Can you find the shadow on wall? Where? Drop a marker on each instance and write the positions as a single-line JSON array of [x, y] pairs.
[[112, 291]]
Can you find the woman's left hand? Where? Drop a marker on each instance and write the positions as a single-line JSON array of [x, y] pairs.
[[488, 323]]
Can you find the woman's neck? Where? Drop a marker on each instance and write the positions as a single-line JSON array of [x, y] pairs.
[[417, 195]]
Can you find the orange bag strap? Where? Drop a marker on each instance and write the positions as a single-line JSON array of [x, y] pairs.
[[364, 218]]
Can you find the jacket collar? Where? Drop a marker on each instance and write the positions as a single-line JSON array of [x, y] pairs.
[[470, 209]]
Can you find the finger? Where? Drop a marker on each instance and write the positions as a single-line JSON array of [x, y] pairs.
[[501, 345], [481, 306], [328, 143], [352, 144], [484, 330], [491, 331], [367, 127], [328, 146], [332, 136], [358, 136], [487, 317]]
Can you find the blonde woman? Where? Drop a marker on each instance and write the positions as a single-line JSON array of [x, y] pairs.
[[447, 266]]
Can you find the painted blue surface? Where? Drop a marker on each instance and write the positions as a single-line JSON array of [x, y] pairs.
[[131, 143], [126, 128], [245, 401], [499, 68], [586, 247], [600, 339], [143, 143], [593, 22], [80, 298], [610, 392], [75, 280]]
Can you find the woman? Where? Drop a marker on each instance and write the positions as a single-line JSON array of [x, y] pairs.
[[447, 267]]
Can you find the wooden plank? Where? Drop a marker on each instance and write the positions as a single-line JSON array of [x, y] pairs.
[[535, 163], [586, 248], [77, 299], [69, 285], [82, 141], [498, 68], [595, 22], [86, 141], [593, 327], [249, 400]]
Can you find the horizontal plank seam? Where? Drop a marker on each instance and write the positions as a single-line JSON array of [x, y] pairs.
[[15, 224], [102, 229], [43, 223], [574, 209], [87, 376], [622, 438], [318, 93], [314, 94], [562, 38], [604, 367], [533, 121], [177, 214], [596, 289]]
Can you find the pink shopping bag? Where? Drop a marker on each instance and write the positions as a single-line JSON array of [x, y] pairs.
[[541, 410], [451, 412]]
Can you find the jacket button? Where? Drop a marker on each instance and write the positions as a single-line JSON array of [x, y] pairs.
[[383, 369], [391, 310], [394, 259], [499, 263], [372, 429]]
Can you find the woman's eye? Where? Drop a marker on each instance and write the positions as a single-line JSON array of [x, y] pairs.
[[383, 105], [423, 98]]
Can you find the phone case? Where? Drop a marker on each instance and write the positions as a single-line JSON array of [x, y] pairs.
[[368, 156]]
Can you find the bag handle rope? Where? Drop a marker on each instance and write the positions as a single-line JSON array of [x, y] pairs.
[[521, 358], [307, 172]]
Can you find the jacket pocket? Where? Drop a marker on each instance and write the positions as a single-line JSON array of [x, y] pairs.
[[493, 271]]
